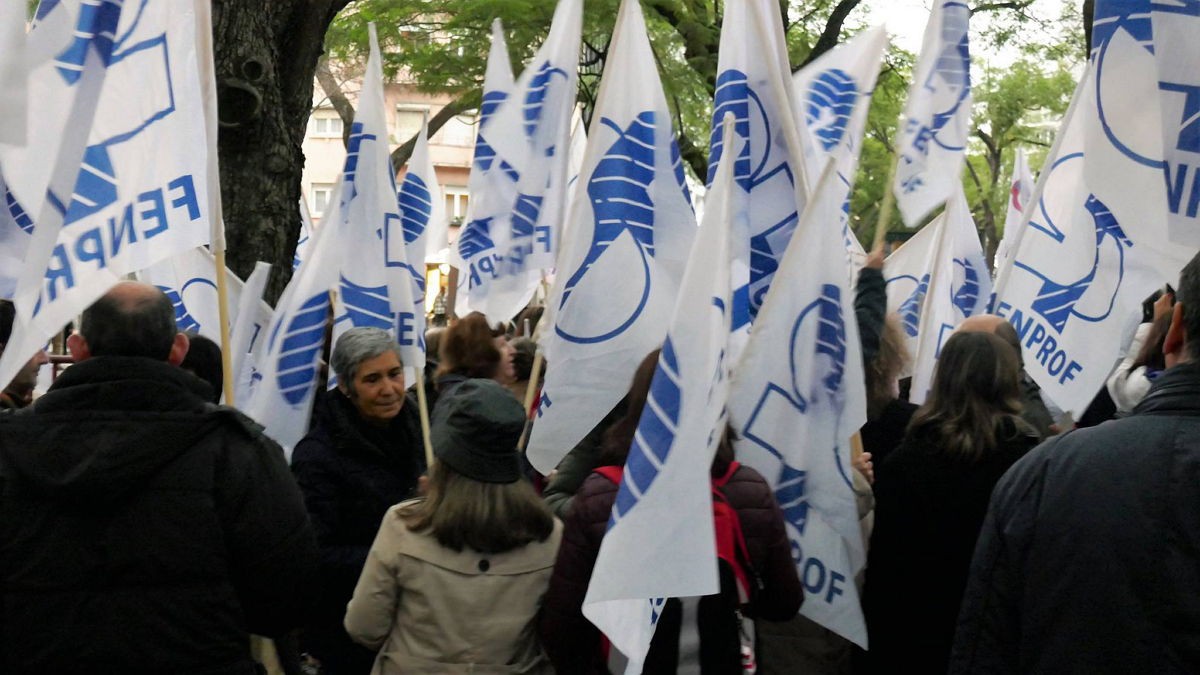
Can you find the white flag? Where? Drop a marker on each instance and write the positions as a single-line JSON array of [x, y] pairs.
[[250, 325], [14, 72], [660, 542], [189, 281], [798, 396], [953, 284], [141, 193], [493, 188], [1177, 52], [753, 86], [285, 372], [937, 116], [376, 280], [306, 230], [1095, 244], [632, 228], [834, 93], [531, 130], [423, 220], [1019, 192], [16, 229]]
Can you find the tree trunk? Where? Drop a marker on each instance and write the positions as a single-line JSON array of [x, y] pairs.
[[266, 53]]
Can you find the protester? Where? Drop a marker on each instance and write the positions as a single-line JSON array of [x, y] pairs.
[[1088, 560], [574, 644], [930, 498], [363, 456], [142, 529], [470, 348], [1033, 408], [19, 392], [523, 352], [579, 463], [1144, 360], [204, 361], [454, 581]]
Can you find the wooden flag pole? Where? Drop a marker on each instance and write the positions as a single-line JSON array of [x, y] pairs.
[[423, 407], [531, 389], [223, 319], [887, 207]]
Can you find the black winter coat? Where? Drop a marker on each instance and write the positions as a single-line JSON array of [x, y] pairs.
[[1089, 561], [573, 643], [143, 530], [351, 473], [929, 506]]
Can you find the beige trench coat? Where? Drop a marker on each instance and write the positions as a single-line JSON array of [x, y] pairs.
[[428, 609]]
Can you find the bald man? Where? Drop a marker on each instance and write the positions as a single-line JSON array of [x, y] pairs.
[[1033, 409], [142, 529]]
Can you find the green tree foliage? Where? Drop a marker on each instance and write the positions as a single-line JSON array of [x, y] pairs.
[[441, 46]]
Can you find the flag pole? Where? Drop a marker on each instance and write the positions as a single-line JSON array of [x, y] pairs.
[[423, 408], [531, 389], [887, 207], [223, 319]]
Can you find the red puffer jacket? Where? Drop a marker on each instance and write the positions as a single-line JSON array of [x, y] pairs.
[[573, 643]]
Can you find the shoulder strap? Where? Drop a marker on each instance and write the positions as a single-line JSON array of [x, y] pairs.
[[611, 472], [720, 481]]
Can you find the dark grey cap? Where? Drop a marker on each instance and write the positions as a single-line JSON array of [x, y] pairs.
[[475, 431]]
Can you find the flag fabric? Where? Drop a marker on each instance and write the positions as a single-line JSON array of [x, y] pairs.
[[834, 93], [937, 116], [493, 187], [14, 73], [801, 377], [1096, 241], [660, 540], [376, 278], [423, 224], [934, 281], [1177, 53], [530, 130], [1019, 192], [285, 368], [306, 231], [632, 227], [751, 85], [16, 229], [189, 280], [124, 87], [250, 324]]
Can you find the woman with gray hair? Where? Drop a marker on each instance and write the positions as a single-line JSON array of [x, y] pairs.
[[362, 456]]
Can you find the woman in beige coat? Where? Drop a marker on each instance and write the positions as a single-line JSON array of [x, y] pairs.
[[454, 582]]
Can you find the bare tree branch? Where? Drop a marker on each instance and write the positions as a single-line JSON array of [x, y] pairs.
[[458, 106], [337, 98], [833, 30], [996, 6]]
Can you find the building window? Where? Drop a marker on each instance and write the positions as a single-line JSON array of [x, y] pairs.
[[456, 202], [326, 124], [408, 122], [320, 194], [459, 131]]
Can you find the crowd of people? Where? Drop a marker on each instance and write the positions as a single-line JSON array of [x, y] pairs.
[[146, 529]]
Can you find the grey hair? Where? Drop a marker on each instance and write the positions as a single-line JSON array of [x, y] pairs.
[[357, 345]]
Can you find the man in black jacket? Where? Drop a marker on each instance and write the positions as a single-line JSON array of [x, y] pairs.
[[142, 530], [1089, 560]]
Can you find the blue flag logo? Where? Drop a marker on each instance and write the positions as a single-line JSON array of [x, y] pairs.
[[829, 104], [655, 433], [297, 366]]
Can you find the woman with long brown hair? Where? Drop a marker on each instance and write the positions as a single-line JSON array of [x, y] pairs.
[[453, 582], [931, 496]]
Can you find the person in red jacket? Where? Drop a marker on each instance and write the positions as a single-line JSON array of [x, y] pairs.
[[573, 644]]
